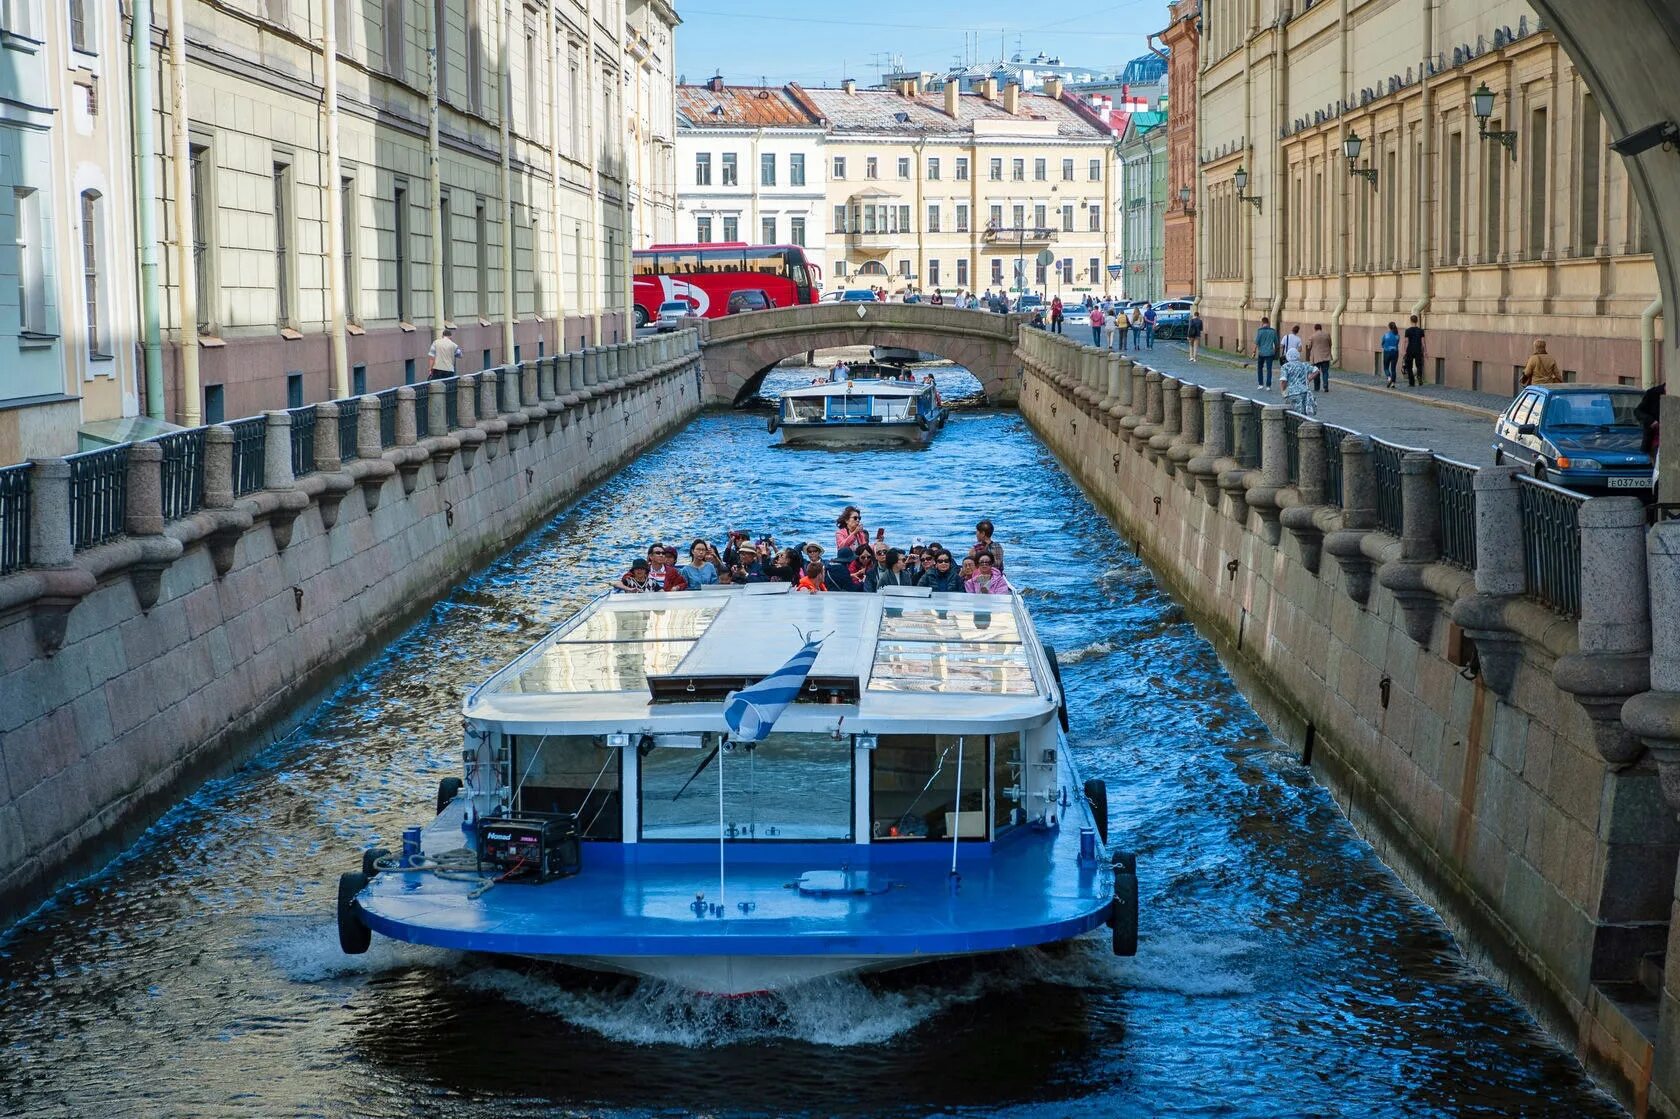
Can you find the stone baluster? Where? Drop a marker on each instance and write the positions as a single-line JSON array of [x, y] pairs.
[[513, 411], [1137, 411], [218, 467], [327, 459], [1152, 410], [52, 550], [1111, 382], [370, 444], [286, 501], [1420, 546], [1168, 431], [470, 434], [1189, 441], [1359, 517], [1216, 435], [1301, 519], [1264, 498], [1235, 470], [1612, 660], [441, 442], [490, 413], [1501, 577], [410, 453], [143, 522], [1654, 715]]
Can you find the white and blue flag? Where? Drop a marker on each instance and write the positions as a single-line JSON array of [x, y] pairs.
[[752, 711]]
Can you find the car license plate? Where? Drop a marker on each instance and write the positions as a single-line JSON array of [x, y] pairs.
[[1629, 483]]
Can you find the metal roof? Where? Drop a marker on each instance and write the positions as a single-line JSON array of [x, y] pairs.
[[702, 106], [921, 661], [877, 111]]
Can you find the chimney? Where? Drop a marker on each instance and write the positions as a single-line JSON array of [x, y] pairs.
[[1012, 98], [849, 85], [953, 95], [988, 88], [913, 87], [1053, 87], [716, 84]]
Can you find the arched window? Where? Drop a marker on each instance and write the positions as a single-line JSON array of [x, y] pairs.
[[872, 268], [92, 213]]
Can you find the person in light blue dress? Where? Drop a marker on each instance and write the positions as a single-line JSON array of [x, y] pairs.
[[1297, 387]]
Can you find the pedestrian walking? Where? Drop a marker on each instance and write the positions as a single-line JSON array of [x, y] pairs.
[[441, 357], [1413, 360], [1193, 334], [1136, 320], [1293, 346], [1390, 353], [1265, 352], [1296, 384], [1318, 353], [1097, 320], [1056, 315], [1149, 327], [1542, 367], [1114, 331]]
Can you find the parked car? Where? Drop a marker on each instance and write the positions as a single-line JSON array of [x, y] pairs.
[[671, 314], [748, 299], [1585, 437], [1075, 314], [1028, 303], [1172, 316]]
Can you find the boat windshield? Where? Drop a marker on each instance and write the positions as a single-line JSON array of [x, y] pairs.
[[913, 790], [806, 408], [569, 774], [892, 407], [788, 787]]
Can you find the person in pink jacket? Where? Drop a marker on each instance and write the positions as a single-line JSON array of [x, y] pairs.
[[849, 531], [987, 578]]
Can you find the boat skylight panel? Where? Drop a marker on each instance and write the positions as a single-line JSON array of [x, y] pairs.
[[596, 666], [953, 651], [657, 624]]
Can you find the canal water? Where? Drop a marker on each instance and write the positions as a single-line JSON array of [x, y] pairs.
[[1283, 970]]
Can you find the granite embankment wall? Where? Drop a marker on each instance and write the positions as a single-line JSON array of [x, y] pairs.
[[1462, 704], [133, 667]]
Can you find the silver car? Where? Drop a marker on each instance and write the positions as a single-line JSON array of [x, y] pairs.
[[671, 315]]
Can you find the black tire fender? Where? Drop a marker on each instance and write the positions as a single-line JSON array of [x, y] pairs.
[[773, 422], [370, 860], [1123, 911], [921, 421], [448, 789], [1061, 692], [1096, 792], [353, 934]]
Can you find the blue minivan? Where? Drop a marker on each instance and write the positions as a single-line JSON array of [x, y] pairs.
[[1585, 437]]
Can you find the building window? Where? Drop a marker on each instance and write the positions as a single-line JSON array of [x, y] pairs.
[[1067, 217], [348, 228], [933, 217], [933, 273], [574, 104], [839, 167], [871, 168], [767, 169], [96, 336], [995, 221], [31, 261], [399, 201], [997, 270], [903, 219], [1067, 170], [283, 263], [1094, 172], [1067, 270], [396, 35], [796, 169], [1041, 274], [962, 217], [904, 269], [903, 167], [1095, 269], [446, 253], [1096, 218], [731, 173], [481, 255], [1538, 181], [1040, 217], [702, 166], [1453, 249], [1592, 157], [533, 84], [203, 210], [933, 167], [1018, 170], [840, 269], [732, 228], [839, 219], [1040, 172], [997, 170], [767, 230], [1493, 208], [83, 33], [703, 230], [962, 168], [475, 58], [962, 272], [796, 230], [15, 17], [215, 407], [1018, 216]]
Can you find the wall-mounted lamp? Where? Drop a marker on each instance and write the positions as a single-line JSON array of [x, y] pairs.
[[1184, 200], [1351, 148], [1481, 102], [1241, 179]]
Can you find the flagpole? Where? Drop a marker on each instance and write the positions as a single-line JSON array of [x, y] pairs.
[[956, 829], [723, 895]]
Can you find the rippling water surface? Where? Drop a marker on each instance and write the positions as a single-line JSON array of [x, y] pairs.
[[1283, 971]]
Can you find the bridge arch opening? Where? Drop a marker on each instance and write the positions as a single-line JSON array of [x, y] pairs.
[[970, 389]]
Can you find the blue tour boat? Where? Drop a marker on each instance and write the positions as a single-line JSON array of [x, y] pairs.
[[914, 799]]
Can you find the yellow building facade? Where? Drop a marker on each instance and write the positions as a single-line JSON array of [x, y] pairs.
[[1492, 242]]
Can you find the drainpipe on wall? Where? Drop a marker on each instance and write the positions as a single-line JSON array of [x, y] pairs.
[[1648, 343], [1280, 177], [1248, 242], [186, 271], [504, 106], [335, 204], [434, 172], [1426, 203], [1340, 219], [556, 226], [146, 199], [597, 203]]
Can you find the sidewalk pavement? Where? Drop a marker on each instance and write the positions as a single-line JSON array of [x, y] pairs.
[[1450, 425]]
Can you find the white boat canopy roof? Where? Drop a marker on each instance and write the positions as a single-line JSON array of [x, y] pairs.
[[860, 388], [903, 661]]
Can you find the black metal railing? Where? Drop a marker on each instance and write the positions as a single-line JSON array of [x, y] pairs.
[[451, 404], [1551, 541], [1385, 466], [1455, 487], [1333, 437], [14, 516], [250, 445], [387, 417], [183, 472], [422, 410], [349, 413], [1292, 422], [98, 495], [303, 440]]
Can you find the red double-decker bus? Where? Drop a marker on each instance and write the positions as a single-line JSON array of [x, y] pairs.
[[704, 276]]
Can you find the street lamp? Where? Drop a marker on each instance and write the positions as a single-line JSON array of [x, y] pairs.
[[1482, 102], [1184, 200], [1350, 148], [1241, 179]]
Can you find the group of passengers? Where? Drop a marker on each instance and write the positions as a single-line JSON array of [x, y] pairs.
[[860, 563]]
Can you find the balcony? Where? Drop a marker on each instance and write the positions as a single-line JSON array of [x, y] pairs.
[[875, 240], [1013, 236]]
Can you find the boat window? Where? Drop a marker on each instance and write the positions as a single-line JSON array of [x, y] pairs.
[[806, 408], [595, 666], [573, 775], [788, 787], [892, 407], [1007, 779], [848, 407], [913, 787]]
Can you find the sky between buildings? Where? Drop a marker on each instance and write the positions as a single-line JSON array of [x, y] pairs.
[[819, 43]]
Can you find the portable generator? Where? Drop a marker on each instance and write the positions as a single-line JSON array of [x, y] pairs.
[[529, 849]]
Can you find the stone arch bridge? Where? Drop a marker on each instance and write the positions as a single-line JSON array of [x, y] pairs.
[[740, 349]]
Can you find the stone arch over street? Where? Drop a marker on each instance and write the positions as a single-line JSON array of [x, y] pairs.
[[740, 349]]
